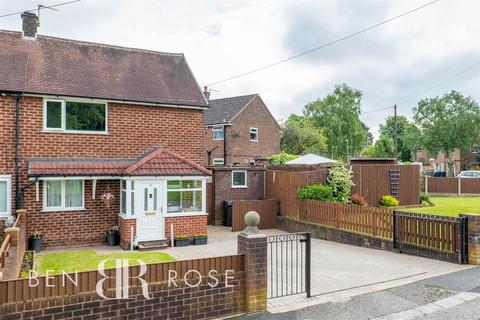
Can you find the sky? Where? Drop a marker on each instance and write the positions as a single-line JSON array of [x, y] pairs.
[[398, 63]]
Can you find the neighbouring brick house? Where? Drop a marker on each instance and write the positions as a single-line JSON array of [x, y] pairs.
[[90, 120], [457, 161], [239, 131]]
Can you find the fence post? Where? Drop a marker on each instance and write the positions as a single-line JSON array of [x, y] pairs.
[[473, 237], [253, 245], [394, 231], [459, 186], [426, 184]]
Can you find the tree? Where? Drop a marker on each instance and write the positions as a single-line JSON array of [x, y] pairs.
[[282, 157], [338, 114], [383, 148], [300, 136], [408, 136], [448, 122]]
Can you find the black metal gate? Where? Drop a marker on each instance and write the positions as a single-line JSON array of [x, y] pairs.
[[289, 264]]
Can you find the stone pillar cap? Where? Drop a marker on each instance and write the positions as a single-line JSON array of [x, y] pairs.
[[252, 219]]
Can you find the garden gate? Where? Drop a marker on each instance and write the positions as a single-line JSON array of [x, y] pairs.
[[289, 264]]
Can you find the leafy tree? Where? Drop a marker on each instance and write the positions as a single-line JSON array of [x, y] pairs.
[[383, 148], [448, 122], [300, 136], [408, 137], [338, 114], [282, 157]]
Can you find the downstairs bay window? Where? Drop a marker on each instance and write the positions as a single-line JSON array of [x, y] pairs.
[[63, 195], [185, 196]]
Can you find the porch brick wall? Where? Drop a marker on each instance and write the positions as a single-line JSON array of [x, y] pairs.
[[125, 228], [75, 228], [186, 226], [223, 188], [132, 130]]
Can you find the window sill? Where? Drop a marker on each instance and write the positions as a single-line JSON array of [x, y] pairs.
[[239, 187], [64, 210], [127, 218], [74, 132], [185, 214]]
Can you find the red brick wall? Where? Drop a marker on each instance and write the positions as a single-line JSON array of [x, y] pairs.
[[239, 147], [75, 228], [132, 130], [224, 191], [186, 226], [125, 227]]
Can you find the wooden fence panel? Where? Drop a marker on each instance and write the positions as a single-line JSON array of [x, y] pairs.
[[441, 185], [11, 251], [19, 290], [367, 220], [267, 209], [284, 185], [470, 186]]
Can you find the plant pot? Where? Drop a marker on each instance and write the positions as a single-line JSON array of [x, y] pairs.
[[113, 239], [200, 240], [182, 242], [35, 244]]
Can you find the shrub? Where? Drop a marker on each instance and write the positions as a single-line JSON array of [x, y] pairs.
[[359, 200], [316, 192], [282, 157], [340, 180], [425, 198], [389, 201]]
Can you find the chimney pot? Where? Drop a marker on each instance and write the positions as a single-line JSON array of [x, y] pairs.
[[206, 93], [29, 25]]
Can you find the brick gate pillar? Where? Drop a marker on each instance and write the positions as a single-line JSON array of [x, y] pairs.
[[473, 238], [253, 245]]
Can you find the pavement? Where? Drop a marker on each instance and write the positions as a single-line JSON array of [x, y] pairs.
[[452, 296]]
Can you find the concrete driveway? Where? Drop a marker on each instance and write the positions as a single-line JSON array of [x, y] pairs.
[[339, 271]]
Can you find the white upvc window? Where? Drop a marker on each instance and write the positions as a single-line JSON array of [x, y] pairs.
[[5, 195], [185, 196], [75, 116], [63, 195], [253, 134], [239, 179], [218, 162], [127, 198], [218, 133]]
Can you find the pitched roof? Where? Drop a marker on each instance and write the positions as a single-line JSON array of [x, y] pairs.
[[160, 162], [65, 67], [224, 110]]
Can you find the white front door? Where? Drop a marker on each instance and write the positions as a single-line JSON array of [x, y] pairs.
[[151, 224]]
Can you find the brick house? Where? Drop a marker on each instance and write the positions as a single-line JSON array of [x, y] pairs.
[[239, 131], [80, 122]]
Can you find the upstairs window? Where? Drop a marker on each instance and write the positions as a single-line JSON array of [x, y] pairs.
[[218, 133], [218, 162], [75, 116], [253, 134]]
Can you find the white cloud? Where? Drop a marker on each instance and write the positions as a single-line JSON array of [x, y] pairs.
[[224, 38]]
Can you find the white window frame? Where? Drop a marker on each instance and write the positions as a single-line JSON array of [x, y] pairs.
[[64, 116], [218, 161], [240, 186], [253, 130], [62, 197], [203, 189], [8, 180], [129, 206], [218, 128]]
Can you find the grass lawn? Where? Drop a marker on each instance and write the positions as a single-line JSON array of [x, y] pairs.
[[85, 260], [451, 206]]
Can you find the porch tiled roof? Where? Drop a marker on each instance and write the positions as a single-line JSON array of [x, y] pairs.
[[160, 162]]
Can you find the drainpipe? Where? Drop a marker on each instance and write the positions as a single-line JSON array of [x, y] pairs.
[[21, 194], [17, 147], [225, 145]]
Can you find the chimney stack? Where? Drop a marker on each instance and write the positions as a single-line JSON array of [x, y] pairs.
[[29, 25], [206, 93]]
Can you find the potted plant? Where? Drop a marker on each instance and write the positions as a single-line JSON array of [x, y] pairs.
[[200, 239], [35, 242], [113, 237], [107, 197], [182, 241]]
